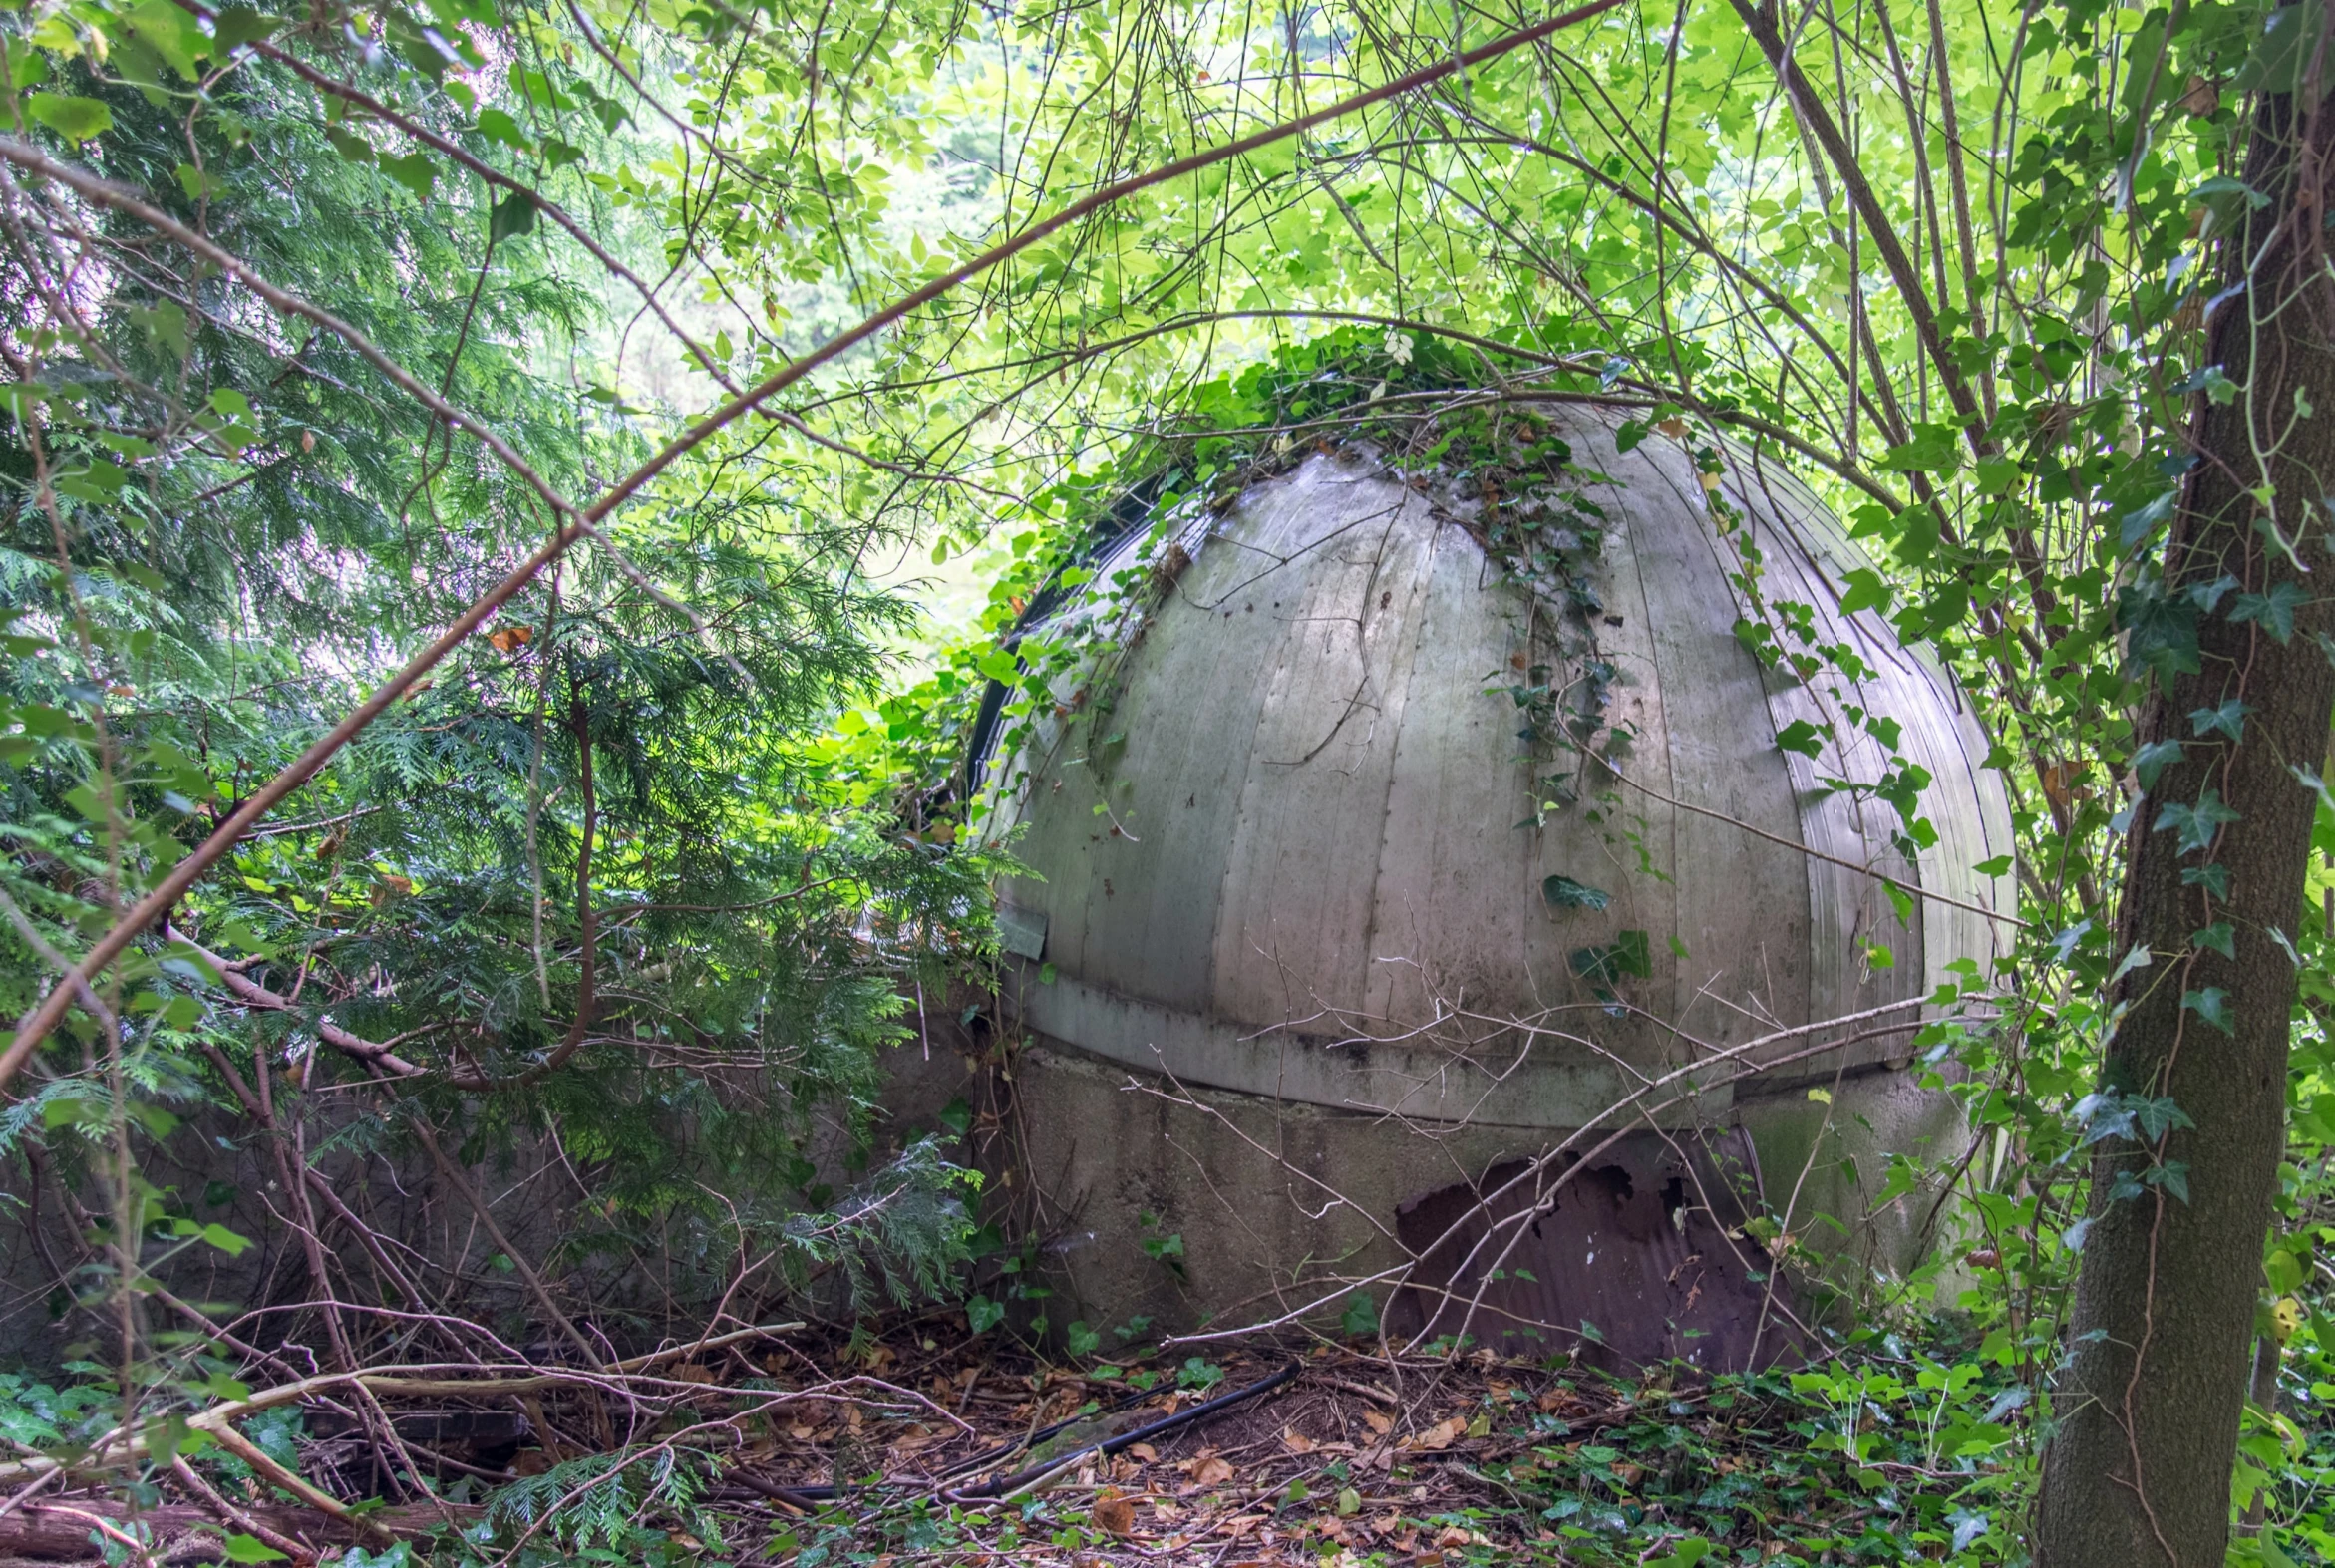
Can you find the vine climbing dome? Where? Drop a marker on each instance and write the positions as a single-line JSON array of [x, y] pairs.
[[1411, 805]]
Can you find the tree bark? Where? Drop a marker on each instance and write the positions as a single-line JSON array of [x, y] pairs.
[[2138, 1470]]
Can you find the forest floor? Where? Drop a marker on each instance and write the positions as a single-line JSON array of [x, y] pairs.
[[915, 1449]]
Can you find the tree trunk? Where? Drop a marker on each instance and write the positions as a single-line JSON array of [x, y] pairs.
[[2137, 1473]]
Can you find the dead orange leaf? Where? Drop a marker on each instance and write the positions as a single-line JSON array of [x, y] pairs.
[[1143, 1451], [1442, 1434], [1211, 1471], [1296, 1442], [1378, 1421], [1113, 1511]]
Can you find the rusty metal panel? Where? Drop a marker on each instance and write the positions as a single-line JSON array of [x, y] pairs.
[[1627, 1260]]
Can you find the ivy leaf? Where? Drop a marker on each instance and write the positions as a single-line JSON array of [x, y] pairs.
[[249, 1549], [2212, 1005], [2272, 611], [999, 665], [1629, 954], [75, 118], [2161, 630], [2213, 878], [2197, 824], [2154, 759], [1802, 737], [2279, 56], [1867, 591], [2205, 595], [2137, 525], [982, 1314], [2220, 936], [1563, 892], [2229, 719]]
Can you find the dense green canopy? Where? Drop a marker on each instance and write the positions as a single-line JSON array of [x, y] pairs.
[[318, 327]]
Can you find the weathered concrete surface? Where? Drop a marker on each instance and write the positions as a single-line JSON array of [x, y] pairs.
[[1289, 856], [1277, 1202]]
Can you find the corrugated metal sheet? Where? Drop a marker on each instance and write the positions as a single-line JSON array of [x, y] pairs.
[[1628, 1261]]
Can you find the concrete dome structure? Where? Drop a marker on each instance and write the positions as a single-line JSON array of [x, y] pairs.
[[1295, 865]]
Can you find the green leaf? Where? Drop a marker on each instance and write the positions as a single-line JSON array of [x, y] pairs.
[[2229, 719], [496, 125], [1563, 892], [1999, 476], [1360, 1315], [250, 1549], [982, 1314], [1934, 449], [2143, 51], [348, 144], [2272, 611], [2213, 1004], [1802, 737], [170, 31], [1867, 591], [2161, 629], [2139, 526], [2197, 824], [237, 25], [197, 184], [1630, 953], [75, 118], [2220, 936], [2154, 759], [98, 482], [1079, 1340], [2284, 49], [415, 170], [225, 1240], [515, 215], [1000, 665]]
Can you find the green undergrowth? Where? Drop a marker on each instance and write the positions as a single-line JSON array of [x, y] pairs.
[[1889, 1449]]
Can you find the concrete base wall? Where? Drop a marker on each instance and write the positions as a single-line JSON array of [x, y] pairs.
[[1276, 1202]]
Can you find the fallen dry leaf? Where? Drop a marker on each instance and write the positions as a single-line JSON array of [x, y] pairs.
[[1113, 1511], [1442, 1434], [1143, 1451], [1378, 1422], [1211, 1471], [1296, 1442], [915, 1438]]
